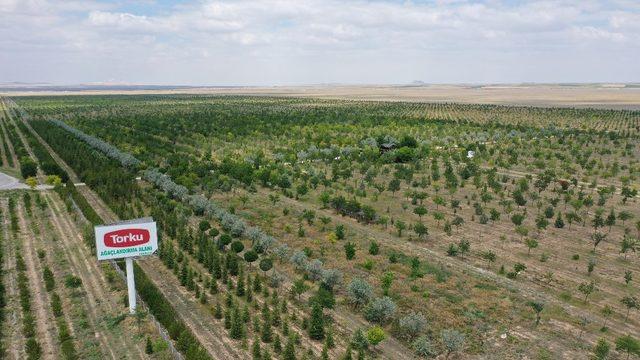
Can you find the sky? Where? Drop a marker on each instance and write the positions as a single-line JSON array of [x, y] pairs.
[[297, 42]]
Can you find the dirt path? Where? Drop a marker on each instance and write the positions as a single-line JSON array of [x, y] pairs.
[[95, 285], [14, 341], [45, 321], [98, 205]]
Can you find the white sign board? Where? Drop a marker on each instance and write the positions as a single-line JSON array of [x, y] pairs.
[[126, 239]]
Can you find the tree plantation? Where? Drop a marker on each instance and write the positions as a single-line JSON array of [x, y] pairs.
[[301, 228]]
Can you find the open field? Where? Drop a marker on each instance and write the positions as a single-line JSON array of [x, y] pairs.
[[312, 227], [605, 96]]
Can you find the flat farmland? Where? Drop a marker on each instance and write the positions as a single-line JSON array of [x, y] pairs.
[[314, 227]]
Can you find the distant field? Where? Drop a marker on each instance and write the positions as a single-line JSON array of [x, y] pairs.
[[606, 96]]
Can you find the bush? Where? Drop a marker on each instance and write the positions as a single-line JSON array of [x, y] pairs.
[[423, 347], [359, 292], [49, 281], [412, 324], [56, 305], [28, 167], [72, 282], [380, 310]]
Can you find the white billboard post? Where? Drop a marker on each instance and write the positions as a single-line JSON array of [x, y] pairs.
[[127, 239]]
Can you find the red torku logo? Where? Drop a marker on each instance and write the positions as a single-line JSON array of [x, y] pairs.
[[126, 237]]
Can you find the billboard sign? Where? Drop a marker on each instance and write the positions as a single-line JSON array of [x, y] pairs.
[[126, 239]]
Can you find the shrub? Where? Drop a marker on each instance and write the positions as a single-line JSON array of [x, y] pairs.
[[380, 310], [423, 347], [359, 292], [72, 281], [412, 324]]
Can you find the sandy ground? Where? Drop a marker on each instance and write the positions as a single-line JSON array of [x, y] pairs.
[[586, 95]]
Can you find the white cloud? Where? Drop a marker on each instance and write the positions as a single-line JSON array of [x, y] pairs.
[[305, 41]]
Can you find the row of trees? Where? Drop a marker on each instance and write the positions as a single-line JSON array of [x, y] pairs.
[[3, 293], [104, 175]]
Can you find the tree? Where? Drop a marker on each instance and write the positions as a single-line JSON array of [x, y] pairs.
[[349, 250], [452, 340], [359, 292], [587, 289], [308, 215], [375, 335], [631, 302], [250, 256], [380, 310], [266, 264], [237, 246], [488, 255], [628, 344], [611, 219], [591, 265], [32, 182], [537, 306], [531, 244], [394, 185], [412, 324], [423, 347], [148, 349], [347, 354], [522, 231], [517, 219], [359, 340], [255, 349], [325, 353], [374, 248], [28, 167], [420, 229], [624, 215], [601, 350], [628, 277], [629, 244], [400, 226], [236, 331], [316, 326], [606, 312], [420, 211], [325, 199], [289, 350], [464, 246], [597, 238], [386, 281], [54, 180], [299, 287], [325, 220]]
